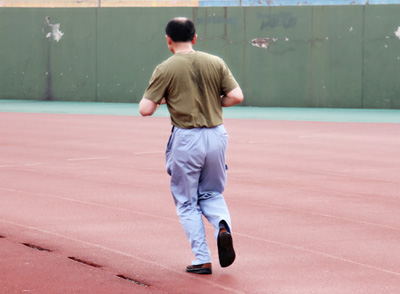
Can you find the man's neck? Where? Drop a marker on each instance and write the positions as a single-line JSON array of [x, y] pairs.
[[183, 48]]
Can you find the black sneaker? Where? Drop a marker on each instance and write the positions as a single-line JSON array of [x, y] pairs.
[[204, 269], [225, 249]]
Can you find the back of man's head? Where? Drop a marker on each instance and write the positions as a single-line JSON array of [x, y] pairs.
[[180, 29]]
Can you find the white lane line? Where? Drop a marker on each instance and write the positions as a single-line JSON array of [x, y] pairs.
[[317, 214], [171, 219], [320, 253], [141, 259], [88, 158], [149, 152], [304, 188], [21, 165], [91, 203]]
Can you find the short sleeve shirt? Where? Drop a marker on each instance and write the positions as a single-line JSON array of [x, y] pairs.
[[192, 85]]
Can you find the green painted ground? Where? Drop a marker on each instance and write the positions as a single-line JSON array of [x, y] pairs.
[[292, 114]]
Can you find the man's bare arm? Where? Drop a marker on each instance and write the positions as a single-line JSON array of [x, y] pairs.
[[148, 107], [232, 98]]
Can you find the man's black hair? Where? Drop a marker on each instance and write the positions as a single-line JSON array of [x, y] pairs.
[[180, 30]]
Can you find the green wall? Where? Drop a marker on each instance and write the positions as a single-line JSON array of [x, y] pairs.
[[317, 56]]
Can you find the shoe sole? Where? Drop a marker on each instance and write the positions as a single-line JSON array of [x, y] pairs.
[[201, 271], [225, 250]]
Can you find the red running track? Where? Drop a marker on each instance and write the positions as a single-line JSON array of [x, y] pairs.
[[315, 207]]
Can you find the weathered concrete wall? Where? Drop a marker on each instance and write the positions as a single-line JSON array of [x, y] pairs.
[[297, 56]]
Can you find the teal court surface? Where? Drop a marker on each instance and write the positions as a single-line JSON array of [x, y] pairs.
[[301, 114]]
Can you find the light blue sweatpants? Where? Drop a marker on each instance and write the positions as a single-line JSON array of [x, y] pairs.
[[195, 160]]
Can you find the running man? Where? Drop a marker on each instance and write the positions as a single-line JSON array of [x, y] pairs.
[[195, 86]]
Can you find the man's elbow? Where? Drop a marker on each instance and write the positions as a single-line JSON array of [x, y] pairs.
[[236, 96], [147, 107], [145, 112], [239, 99]]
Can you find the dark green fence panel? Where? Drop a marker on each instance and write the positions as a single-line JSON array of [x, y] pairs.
[[381, 82], [277, 56], [73, 58], [23, 54], [130, 44], [307, 56], [36, 66], [336, 56]]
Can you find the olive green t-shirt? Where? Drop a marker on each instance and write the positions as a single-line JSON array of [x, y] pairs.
[[192, 85]]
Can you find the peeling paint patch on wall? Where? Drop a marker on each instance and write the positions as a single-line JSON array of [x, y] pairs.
[[397, 33], [55, 30], [261, 42]]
